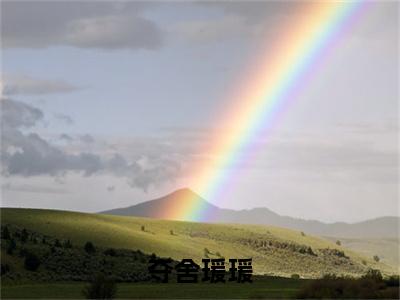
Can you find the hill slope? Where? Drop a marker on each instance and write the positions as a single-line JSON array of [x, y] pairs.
[[384, 227], [386, 249], [274, 250]]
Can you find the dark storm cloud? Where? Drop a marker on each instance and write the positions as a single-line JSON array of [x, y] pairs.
[[29, 154], [101, 25]]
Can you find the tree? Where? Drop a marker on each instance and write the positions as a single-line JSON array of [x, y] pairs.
[[110, 252], [32, 262], [24, 235], [142, 228], [4, 269], [373, 274], [171, 232], [303, 234], [57, 243], [89, 248], [376, 258], [100, 287], [12, 245], [339, 243], [67, 244], [5, 234]]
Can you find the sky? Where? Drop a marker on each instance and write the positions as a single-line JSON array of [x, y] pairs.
[[108, 104]]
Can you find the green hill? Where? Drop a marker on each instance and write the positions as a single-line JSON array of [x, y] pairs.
[[274, 250]]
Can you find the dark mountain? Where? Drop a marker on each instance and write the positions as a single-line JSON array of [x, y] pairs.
[[163, 208]]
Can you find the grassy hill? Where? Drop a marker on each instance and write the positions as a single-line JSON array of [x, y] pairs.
[[386, 249], [274, 250]]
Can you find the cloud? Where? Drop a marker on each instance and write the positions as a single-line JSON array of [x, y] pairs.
[[64, 118], [203, 31], [353, 153], [33, 189], [19, 115], [26, 85], [236, 20], [65, 137], [263, 21], [99, 25], [28, 154], [113, 32], [87, 138]]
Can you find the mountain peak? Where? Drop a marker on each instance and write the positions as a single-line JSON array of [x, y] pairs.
[[183, 192], [172, 206], [179, 198]]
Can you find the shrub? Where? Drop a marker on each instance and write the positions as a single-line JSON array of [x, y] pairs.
[[23, 252], [143, 228], [364, 262], [373, 274], [31, 262], [89, 248], [218, 254], [392, 281], [12, 245], [339, 243], [24, 235], [100, 288], [4, 269], [67, 244], [110, 252], [57, 243], [295, 276], [303, 234], [376, 258], [5, 233], [337, 287], [171, 232]]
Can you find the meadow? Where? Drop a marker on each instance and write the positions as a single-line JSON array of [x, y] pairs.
[[260, 288], [275, 251]]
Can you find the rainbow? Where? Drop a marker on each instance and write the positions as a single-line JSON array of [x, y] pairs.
[[278, 76]]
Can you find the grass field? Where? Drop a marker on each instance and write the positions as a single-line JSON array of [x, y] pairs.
[[386, 248], [179, 240], [264, 288]]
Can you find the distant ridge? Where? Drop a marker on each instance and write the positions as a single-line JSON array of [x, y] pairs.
[[383, 227]]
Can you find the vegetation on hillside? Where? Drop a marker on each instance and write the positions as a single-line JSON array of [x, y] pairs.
[[38, 257], [275, 251], [372, 285]]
